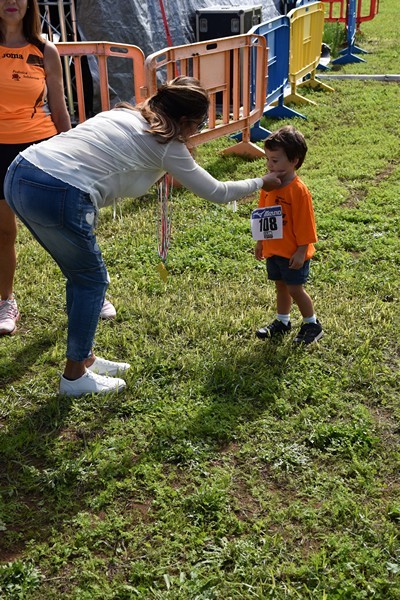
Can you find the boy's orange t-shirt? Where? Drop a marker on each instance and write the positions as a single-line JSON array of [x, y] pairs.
[[24, 112], [299, 226]]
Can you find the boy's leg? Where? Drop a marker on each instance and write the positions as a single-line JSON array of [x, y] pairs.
[[311, 330], [283, 298], [302, 299], [281, 324]]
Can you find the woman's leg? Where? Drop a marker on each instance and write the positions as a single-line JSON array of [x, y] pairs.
[[61, 218], [8, 307], [8, 234]]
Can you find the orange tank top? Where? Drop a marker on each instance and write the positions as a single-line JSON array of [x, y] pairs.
[[24, 112]]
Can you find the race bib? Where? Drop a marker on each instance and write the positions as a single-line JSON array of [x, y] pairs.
[[267, 223]]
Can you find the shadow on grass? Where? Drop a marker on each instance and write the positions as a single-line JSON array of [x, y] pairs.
[[44, 491], [38, 489], [17, 363], [25, 447], [235, 391]]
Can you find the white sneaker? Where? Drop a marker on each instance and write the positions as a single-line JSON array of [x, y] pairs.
[[108, 367], [9, 315], [90, 383], [108, 311]]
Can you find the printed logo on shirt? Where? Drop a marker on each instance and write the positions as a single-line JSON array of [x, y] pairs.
[[35, 60], [280, 200], [18, 75], [12, 55]]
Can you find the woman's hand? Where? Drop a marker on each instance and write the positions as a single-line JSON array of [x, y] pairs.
[[271, 182]]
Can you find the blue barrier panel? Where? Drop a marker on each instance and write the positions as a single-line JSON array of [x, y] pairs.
[[349, 53], [277, 35]]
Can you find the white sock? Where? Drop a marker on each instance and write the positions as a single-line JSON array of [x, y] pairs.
[[284, 318], [312, 319]]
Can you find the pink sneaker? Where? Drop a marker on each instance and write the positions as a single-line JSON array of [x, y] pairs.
[[9, 316], [108, 311]]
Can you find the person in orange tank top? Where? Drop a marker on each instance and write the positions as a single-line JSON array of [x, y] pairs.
[[284, 226], [32, 108]]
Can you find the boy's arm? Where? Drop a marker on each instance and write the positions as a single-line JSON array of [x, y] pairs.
[[258, 250], [296, 261], [304, 228]]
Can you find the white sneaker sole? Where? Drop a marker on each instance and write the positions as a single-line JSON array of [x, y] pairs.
[[77, 394], [99, 385]]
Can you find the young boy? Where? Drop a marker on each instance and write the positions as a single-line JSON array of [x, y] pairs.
[[289, 236]]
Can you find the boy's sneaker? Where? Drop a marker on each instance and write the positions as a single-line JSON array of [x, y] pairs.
[[273, 329], [108, 311], [101, 366], [90, 383], [309, 333], [9, 316]]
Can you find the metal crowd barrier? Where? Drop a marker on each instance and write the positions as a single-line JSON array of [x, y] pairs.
[[306, 29], [103, 51], [224, 67]]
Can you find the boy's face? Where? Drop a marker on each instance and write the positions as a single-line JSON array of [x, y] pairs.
[[278, 163]]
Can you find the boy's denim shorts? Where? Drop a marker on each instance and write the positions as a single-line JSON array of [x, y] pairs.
[[278, 270]]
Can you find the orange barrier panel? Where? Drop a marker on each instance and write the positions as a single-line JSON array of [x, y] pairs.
[[365, 14], [103, 51], [223, 67], [306, 29], [337, 10]]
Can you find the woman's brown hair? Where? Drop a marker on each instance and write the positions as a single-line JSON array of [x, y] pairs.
[[178, 101]]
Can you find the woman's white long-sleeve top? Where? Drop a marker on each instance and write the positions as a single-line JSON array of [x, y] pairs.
[[112, 155]]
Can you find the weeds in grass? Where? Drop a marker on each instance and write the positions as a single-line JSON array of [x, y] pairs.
[[335, 37]]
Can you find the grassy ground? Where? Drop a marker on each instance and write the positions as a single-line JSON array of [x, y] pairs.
[[230, 468]]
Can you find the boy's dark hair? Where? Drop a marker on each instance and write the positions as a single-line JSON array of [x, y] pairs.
[[291, 141]]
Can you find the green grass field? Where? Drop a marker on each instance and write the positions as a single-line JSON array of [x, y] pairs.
[[230, 468]]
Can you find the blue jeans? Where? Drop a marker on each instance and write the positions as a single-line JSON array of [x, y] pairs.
[[61, 218]]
